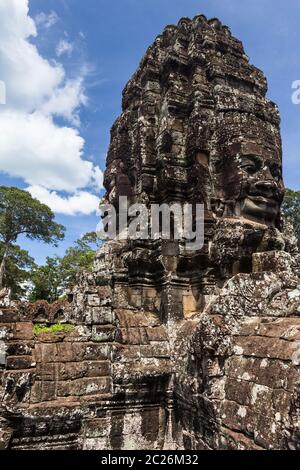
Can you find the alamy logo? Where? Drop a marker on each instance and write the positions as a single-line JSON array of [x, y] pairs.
[[296, 93], [182, 222], [2, 92]]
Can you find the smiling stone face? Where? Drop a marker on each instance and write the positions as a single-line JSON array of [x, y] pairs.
[[249, 174], [262, 192]]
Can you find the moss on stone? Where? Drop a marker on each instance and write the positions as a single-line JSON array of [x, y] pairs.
[[56, 328]]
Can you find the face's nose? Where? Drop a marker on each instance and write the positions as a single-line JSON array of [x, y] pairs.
[[266, 187], [267, 174]]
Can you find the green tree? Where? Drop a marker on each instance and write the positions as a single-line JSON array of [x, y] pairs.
[[51, 281], [21, 214], [19, 266], [79, 257], [47, 281], [291, 209]]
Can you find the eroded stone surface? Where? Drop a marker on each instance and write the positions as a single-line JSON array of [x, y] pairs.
[[168, 348]]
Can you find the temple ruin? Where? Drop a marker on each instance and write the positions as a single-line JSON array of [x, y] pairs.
[[173, 349]]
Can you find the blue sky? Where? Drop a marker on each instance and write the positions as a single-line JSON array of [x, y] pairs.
[[99, 43]]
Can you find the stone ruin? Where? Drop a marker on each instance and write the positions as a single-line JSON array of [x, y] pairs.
[[173, 349]]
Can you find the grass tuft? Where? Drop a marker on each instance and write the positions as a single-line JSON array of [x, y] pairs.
[[56, 328]]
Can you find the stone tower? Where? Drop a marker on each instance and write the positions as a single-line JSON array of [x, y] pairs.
[[171, 348], [196, 127]]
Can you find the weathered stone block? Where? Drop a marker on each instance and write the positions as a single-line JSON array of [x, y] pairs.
[[71, 370], [60, 352], [131, 319], [99, 316], [132, 336], [20, 362], [126, 353], [121, 297], [157, 333], [247, 393], [9, 315], [77, 370], [6, 331], [189, 305], [105, 294], [95, 443], [155, 349], [237, 417], [45, 352], [70, 352], [46, 371], [93, 300], [267, 348], [16, 386], [46, 337], [23, 348], [23, 330], [80, 333], [85, 386], [231, 440], [272, 261], [263, 371], [98, 369], [103, 334], [42, 391], [97, 427], [94, 351]]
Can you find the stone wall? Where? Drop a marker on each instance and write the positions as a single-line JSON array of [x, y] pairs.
[[242, 379], [226, 378], [99, 384]]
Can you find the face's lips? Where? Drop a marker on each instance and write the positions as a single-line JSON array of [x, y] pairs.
[[260, 208], [264, 200]]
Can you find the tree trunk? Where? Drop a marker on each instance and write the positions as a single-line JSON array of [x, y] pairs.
[[2, 266]]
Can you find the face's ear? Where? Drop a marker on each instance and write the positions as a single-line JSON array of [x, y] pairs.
[[279, 222], [229, 178], [202, 158]]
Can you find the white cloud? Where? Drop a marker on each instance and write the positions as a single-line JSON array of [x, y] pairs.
[[82, 202], [46, 20], [34, 148], [30, 79], [17, 21], [64, 47], [32, 145], [66, 101]]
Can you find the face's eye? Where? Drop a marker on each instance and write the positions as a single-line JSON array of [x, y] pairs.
[[251, 164], [250, 168], [276, 171]]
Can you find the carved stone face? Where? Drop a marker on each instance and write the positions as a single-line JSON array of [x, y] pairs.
[[262, 192], [251, 176]]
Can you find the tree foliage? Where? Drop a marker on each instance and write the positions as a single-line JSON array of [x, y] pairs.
[[58, 275], [47, 281], [21, 214], [19, 266], [79, 257], [291, 209]]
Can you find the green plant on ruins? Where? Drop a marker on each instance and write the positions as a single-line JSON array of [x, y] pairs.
[[39, 328]]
